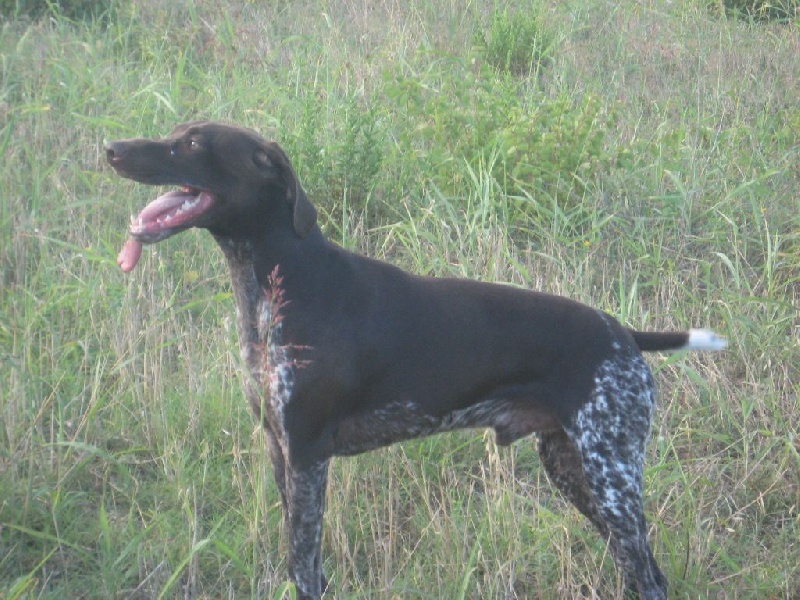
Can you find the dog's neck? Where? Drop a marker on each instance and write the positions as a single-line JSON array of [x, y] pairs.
[[272, 246], [246, 291], [252, 262]]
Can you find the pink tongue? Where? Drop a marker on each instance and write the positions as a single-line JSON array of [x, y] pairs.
[[129, 255]]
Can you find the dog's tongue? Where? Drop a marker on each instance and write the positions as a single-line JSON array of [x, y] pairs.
[[129, 255]]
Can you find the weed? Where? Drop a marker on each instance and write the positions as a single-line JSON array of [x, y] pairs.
[[516, 41], [759, 10], [341, 157]]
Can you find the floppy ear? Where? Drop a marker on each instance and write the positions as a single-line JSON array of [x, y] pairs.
[[304, 214]]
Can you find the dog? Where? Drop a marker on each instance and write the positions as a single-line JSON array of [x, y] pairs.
[[345, 354]]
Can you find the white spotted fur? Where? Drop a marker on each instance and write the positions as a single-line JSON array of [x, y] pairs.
[[705, 339]]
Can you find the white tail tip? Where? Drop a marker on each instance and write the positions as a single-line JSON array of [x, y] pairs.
[[705, 339]]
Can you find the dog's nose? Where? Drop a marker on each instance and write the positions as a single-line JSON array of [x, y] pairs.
[[113, 152]]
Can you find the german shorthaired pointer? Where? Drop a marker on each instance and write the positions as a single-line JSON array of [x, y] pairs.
[[345, 354]]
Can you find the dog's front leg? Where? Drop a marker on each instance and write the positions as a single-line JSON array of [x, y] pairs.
[[276, 455], [306, 506]]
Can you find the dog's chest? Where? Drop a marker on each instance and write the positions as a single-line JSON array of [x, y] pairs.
[[272, 362], [269, 365]]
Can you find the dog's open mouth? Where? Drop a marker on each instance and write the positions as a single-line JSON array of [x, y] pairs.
[[165, 216]]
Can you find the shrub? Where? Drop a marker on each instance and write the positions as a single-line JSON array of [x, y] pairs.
[[455, 115], [516, 42], [341, 155], [556, 145]]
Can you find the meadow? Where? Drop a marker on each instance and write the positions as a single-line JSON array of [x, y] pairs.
[[640, 156]]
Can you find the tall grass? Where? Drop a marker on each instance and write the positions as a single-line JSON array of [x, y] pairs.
[[129, 464]]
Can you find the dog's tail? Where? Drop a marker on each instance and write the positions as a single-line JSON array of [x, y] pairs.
[[694, 339]]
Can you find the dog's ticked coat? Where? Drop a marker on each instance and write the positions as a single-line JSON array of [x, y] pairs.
[[346, 354]]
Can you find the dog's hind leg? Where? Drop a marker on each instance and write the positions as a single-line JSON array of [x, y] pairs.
[[306, 507], [564, 468], [610, 434]]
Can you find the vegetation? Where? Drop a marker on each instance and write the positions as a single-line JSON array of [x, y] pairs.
[[518, 41], [760, 10], [642, 157], [59, 9]]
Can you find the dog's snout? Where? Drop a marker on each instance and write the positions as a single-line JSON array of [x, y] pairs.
[[113, 152]]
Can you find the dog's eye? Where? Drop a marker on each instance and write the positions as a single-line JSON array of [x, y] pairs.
[[194, 144]]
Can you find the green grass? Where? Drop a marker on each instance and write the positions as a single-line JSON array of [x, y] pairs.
[[649, 167]]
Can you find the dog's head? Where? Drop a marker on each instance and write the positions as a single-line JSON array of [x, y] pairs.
[[232, 182]]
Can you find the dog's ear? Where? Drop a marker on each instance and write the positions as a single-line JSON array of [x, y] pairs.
[[304, 215]]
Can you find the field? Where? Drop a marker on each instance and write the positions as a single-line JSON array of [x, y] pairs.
[[640, 156]]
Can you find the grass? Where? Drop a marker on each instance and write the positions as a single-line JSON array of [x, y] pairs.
[[129, 464]]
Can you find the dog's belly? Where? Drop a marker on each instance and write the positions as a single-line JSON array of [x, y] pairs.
[[397, 421]]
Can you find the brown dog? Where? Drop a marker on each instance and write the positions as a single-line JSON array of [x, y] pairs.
[[346, 354]]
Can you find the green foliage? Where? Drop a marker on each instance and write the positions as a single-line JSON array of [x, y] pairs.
[[557, 145], [517, 41], [760, 10], [456, 114], [339, 157]]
